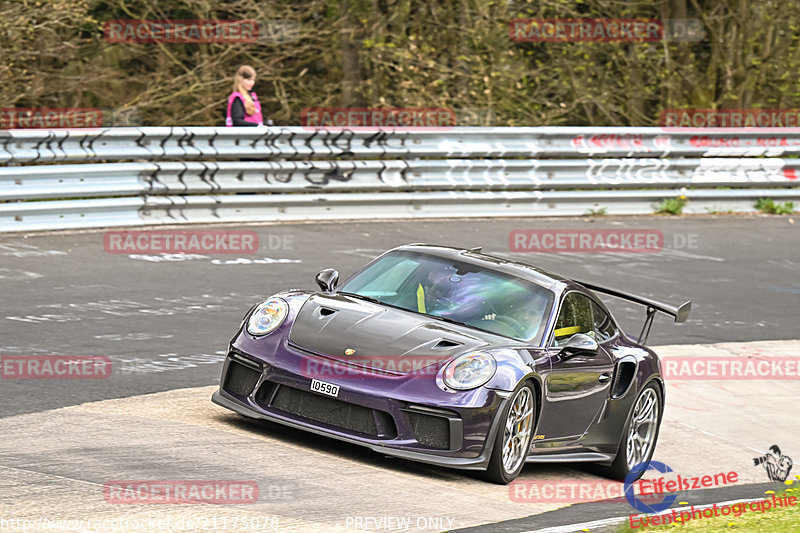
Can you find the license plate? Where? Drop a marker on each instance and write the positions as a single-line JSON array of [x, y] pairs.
[[325, 388]]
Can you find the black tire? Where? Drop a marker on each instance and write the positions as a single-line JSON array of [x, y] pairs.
[[620, 469], [496, 472]]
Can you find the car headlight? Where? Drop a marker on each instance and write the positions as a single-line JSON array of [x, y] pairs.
[[469, 371], [267, 316]]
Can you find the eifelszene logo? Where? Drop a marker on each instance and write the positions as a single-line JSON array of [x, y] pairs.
[[644, 505]]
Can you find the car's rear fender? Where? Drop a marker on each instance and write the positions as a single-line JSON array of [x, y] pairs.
[[605, 433]]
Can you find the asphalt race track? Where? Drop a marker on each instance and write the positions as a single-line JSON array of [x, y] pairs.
[[165, 320]]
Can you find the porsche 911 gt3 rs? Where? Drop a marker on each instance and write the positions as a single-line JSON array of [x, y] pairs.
[[456, 358]]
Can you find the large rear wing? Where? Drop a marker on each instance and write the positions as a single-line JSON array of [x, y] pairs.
[[679, 313]]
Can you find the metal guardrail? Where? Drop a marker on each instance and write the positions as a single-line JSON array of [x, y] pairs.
[[192, 174], [115, 179], [163, 143]]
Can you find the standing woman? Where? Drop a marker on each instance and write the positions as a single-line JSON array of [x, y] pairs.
[[244, 109]]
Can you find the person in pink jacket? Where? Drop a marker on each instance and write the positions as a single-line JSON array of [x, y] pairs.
[[244, 109]]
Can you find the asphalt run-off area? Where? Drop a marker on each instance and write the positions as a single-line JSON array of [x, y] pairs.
[[159, 325]]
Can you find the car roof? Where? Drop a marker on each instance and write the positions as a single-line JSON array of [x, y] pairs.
[[476, 256]]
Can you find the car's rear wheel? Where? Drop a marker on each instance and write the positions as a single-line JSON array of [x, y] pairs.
[[639, 439], [513, 438]]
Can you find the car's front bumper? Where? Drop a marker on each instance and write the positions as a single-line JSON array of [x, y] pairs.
[[380, 412]]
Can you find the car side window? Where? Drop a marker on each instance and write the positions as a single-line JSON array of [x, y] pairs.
[[574, 317], [603, 325]]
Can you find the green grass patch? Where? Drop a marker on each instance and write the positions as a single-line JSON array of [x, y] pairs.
[[717, 211], [767, 205], [671, 206], [596, 212]]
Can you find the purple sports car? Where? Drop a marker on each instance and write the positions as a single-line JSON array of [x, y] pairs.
[[456, 358]]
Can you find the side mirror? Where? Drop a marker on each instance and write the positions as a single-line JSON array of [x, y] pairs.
[[327, 279], [580, 343]]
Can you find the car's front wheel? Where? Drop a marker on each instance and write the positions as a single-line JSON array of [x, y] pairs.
[[513, 439], [639, 438]]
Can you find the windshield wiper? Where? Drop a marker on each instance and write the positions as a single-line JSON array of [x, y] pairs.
[[446, 319], [371, 299], [362, 297]]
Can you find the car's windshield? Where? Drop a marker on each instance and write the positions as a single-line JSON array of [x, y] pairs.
[[459, 291]]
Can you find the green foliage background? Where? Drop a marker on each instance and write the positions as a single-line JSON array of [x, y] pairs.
[[394, 53]]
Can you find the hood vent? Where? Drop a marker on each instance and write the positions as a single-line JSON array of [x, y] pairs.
[[445, 344]]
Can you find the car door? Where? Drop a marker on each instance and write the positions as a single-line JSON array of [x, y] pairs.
[[577, 386]]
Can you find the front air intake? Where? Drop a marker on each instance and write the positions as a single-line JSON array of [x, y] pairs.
[[337, 413], [430, 431], [240, 379]]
